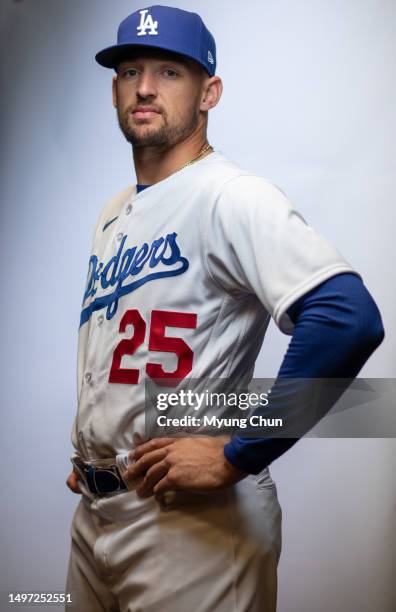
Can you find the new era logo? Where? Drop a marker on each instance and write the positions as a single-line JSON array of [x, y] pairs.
[[210, 58], [147, 23]]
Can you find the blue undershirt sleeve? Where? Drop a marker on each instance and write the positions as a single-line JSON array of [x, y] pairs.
[[337, 328]]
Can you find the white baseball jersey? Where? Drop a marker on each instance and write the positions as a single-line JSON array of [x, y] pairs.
[[182, 281]]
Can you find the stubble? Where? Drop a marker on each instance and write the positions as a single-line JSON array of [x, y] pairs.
[[166, 134]]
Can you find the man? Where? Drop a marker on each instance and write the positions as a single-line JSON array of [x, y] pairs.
[[186, 271]]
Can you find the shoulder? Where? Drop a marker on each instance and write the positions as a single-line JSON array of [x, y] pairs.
[[221, 178], [248, 188], [234, 183], [248, 197]]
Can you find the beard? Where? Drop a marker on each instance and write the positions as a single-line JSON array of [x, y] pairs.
[[165, 135]]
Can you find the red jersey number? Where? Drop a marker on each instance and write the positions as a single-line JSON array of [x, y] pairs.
[[158, 341], [128, 376]]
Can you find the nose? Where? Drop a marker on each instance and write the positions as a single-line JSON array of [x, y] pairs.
[[147, 86]]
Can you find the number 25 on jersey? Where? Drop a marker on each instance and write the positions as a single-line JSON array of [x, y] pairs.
[[158, 341]]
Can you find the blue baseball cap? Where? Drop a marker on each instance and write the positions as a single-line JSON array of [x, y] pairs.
[[163, 27]]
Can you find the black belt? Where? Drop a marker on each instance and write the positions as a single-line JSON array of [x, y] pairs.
[[100, 480]]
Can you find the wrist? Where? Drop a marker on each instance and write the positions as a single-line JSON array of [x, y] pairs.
[[233, 470]]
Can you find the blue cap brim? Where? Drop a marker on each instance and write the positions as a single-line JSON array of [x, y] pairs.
[[112, 56]]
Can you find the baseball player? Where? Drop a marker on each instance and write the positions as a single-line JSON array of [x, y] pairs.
[[186, 270]]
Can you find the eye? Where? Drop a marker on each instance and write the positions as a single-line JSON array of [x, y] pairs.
[[129, 72], [170, 72]]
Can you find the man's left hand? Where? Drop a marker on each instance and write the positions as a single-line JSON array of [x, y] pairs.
[[195, 463]]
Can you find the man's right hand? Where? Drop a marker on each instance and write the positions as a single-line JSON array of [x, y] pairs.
[[72, 482]]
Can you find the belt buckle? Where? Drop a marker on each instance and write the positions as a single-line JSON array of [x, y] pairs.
[[100, 480]]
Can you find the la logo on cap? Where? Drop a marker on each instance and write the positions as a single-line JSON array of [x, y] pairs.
[[147, 23]]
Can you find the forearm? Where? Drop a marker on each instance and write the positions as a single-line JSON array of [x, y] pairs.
[[337, 328]]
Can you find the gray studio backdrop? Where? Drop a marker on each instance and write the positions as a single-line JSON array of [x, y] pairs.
[[309, 103]]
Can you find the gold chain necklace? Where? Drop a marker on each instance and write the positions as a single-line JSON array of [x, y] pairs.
[[202, 151]]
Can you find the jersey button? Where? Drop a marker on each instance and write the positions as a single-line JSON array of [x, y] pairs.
[[119, 236], [128, 209], [88, 377], [100, 319]]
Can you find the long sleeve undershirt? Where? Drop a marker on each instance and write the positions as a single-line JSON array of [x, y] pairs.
[[337, 327]]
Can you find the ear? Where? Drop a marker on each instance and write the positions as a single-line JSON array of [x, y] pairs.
[[213, 88], [114, 90]]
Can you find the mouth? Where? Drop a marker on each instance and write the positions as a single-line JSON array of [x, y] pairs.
[[144, 113]]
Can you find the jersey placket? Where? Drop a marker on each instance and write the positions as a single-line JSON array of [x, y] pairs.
[[89, 395]]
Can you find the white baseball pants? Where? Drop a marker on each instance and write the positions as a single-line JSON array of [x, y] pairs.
[[203, 553]]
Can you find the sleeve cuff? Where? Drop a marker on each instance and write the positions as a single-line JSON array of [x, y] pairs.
[[241, 460]]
